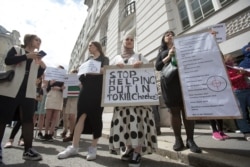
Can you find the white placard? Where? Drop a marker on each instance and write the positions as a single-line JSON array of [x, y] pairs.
[[57, 74], [220, 30], [206, 88], [90, 66], [71, 80], [129, 86]]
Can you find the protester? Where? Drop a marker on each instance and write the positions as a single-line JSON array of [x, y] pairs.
[[245, 63], [21, 91], [156, 108], [171, 91], [71, 109], [18, 123], [242, 92], [217, 125], [40, 110], [13, 133], [65, 120], [128, 121], [89, 110], [53, 106]]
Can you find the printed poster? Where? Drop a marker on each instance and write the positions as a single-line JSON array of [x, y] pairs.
[[206, 88]]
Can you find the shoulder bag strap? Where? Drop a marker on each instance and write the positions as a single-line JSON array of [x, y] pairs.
[[139, 57]]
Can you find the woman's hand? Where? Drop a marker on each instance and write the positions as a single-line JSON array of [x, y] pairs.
[[35, 56], [137, 64], [120, 65], [52, 82], [32, 55], [171, 53]]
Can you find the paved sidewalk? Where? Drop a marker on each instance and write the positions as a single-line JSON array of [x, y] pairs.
[[233, 152]]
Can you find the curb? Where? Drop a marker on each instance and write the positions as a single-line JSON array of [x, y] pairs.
[[208, 157]]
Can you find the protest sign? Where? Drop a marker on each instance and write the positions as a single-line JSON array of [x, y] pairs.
[[71, 80], [220, 30], [71, 84], [71, 91], [206, 88], [129, 86], [57, 74], [90, 66]]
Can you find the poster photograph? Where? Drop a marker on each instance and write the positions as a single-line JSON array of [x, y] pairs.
[[206, 88], [129, 86]]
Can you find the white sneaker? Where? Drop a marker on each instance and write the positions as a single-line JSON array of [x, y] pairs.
[[69, 151], [91, 153]]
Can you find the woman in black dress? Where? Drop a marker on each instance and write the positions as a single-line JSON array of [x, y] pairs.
[[89, 110], [20, 93], [171, 92]]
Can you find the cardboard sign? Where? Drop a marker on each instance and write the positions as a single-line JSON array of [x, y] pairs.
[[129, 86]]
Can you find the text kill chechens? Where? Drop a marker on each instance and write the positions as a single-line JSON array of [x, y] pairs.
[[127, 85]]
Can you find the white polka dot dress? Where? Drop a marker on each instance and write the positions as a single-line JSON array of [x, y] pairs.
[[133, 126]]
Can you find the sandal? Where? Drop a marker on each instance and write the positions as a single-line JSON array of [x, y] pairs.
[[9, 144]]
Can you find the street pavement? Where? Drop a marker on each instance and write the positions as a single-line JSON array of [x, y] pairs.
[[234, 152], [12, 157]]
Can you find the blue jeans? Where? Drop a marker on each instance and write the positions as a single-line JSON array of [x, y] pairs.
[[243, 97]]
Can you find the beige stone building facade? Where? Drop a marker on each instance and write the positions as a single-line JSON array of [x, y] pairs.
[[7, 40], [109, 20]]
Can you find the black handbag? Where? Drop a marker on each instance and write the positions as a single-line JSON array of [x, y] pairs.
[[7, 76], [169, 71]]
